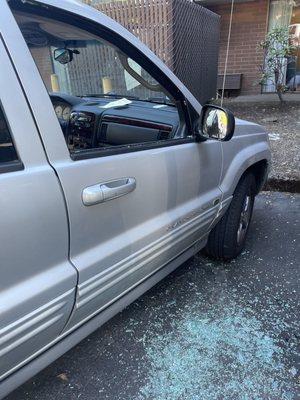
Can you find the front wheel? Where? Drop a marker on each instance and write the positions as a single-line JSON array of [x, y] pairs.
[[227, 239]]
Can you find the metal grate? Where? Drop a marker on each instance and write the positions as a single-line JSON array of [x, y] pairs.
[[183, 34]]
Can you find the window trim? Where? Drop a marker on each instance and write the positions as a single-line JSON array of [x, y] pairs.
[[124, 149], [11, 166], [102, 32], [14, 165]]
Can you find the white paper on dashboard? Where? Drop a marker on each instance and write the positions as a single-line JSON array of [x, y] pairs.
[[160, 106], [117, 103]]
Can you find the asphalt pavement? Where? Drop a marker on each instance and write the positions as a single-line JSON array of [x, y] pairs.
[[209, 331]]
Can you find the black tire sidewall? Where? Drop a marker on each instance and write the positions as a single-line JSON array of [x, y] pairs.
[[246, 187]]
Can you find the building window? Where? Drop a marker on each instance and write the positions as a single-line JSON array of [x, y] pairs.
[[286, 13]]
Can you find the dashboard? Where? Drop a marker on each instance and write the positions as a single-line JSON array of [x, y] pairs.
[[62, 110], [63, 103], [91, 122]]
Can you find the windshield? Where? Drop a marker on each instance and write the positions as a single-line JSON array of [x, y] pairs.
[[75, 62]]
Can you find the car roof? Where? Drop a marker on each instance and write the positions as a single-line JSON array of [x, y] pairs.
[[91, 13]]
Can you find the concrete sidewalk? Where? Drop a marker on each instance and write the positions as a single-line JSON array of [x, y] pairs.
[[264, 98]]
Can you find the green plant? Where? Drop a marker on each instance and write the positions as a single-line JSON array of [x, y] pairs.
[[278, 48]]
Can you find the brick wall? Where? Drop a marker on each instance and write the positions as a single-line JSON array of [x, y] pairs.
[[249, 27]]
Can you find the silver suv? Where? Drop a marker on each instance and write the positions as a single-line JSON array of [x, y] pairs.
[[111, 176]]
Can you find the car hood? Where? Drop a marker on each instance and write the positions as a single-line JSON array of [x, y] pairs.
[[243, 127]]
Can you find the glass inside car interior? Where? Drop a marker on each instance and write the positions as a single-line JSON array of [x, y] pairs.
[[101, 97]]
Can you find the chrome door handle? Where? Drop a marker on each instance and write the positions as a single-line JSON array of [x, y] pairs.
[[107, 191]]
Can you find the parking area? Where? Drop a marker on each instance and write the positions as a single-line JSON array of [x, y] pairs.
[[209, 331]]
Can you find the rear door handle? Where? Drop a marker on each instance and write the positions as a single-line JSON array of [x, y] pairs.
[[107, 191]]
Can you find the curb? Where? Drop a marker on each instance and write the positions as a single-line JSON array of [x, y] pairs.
[[282, 185]]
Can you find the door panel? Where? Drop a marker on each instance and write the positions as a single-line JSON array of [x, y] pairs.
[[117, 243], [37, 281]]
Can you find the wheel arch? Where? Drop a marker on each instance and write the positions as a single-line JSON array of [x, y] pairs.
[[254, 159], [260, 172]]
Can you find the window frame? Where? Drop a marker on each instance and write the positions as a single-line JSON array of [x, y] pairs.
[[14, 165], [123, 149], [185, 131]]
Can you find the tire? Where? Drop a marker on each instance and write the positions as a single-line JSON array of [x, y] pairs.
[[227, 239]]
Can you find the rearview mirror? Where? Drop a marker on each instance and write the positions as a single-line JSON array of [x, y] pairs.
[[216, 123], [64, 56]]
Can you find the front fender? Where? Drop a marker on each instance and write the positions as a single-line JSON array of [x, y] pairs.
[[238, 156]]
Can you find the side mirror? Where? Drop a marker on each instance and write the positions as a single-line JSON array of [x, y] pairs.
[[216, 123]]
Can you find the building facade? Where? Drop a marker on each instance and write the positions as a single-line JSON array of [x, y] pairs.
[[251, 21]]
